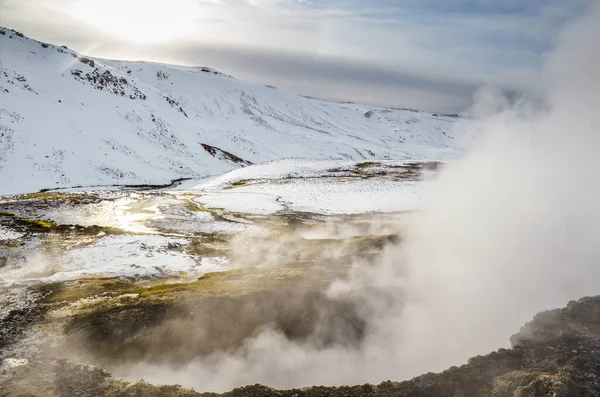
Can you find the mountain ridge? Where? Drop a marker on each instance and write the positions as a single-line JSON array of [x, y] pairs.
[[71, 120]]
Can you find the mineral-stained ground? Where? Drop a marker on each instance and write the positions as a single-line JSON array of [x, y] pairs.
[[94, 280]]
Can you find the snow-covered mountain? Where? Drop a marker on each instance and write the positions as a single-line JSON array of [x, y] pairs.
[[69, 120]]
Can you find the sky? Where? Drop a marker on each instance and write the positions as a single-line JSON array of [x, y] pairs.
[[426, 54]]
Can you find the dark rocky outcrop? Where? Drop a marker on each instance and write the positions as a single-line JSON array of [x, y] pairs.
[[556, 354], [224, 155], [106, 81]]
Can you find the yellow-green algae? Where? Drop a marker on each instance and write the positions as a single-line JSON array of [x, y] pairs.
[[28, 221]]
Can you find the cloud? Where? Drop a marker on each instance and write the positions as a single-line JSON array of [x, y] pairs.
[[472, 41], [336, 78]]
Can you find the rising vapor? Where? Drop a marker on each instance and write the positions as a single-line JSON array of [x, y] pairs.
[[510, 230]]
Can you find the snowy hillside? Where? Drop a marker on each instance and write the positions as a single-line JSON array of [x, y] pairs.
[[67, 120]]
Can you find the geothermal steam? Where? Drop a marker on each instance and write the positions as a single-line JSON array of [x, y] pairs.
[[510, 230]]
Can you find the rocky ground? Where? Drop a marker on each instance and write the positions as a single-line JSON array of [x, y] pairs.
[[556, 354], [92, 281]]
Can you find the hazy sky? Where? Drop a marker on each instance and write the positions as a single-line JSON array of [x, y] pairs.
[[429, 54]]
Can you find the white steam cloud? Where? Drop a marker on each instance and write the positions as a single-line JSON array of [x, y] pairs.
[[510, 230]]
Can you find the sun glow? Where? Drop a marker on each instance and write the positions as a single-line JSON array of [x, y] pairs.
[[141, 21]]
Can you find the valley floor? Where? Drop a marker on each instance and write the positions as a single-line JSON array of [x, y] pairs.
[[69, 256]]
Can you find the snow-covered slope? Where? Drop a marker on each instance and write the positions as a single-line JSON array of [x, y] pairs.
[[68, 120]]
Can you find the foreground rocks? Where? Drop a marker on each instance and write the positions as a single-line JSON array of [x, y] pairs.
[[556, 354]]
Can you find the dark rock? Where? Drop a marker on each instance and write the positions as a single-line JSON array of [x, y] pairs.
[[224, 155], [556, 354], [87, 61]]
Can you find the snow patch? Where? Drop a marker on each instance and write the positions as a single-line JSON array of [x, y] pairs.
[[7, 234]]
